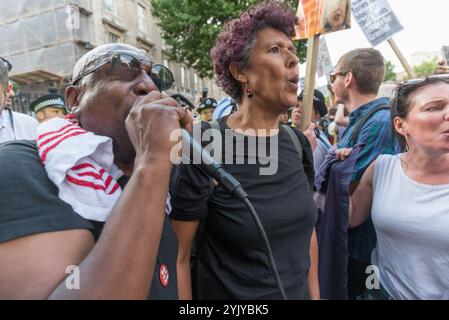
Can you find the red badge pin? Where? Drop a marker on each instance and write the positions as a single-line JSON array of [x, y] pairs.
[[164, 275]]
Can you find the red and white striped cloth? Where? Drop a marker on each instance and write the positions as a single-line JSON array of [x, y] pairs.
[[81, 165]]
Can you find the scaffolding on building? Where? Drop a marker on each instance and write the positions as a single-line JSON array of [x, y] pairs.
[[42, 40]]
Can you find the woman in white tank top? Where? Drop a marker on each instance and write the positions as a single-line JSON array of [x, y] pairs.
[[407, 196]]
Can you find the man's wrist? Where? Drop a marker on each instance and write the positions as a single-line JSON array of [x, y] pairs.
[[152, 164]]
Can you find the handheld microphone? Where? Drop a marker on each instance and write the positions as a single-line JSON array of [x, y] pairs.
[[207, 163], [229, 183], [183, 101], [211, 167]]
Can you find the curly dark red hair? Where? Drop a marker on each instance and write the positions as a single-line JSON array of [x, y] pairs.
[[237, 39]]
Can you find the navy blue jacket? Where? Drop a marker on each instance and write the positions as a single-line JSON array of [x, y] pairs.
[[333, 180]]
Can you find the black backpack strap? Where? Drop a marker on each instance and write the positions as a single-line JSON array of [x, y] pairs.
[[295, 139], [200, 232], [216, 126], [361, 122]]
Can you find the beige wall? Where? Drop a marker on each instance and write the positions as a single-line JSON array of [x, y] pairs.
[[96, 24], [125, 24]]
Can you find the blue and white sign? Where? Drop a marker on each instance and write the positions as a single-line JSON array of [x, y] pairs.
[[377, 20]]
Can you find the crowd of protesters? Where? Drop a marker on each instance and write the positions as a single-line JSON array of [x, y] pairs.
[[356, 208]]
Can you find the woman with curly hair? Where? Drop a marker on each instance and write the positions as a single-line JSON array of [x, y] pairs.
[[255, 63]]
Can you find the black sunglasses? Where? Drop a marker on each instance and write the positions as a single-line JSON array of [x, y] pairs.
[[129, 67], [333, 76], [7, 64]]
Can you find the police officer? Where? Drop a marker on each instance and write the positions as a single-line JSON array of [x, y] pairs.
[[206, 109], [13, 125], [48, 106]]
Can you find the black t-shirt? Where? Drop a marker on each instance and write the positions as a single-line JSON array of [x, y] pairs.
[[232, 259], [29, 204]]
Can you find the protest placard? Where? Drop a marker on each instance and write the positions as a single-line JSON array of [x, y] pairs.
[[377, 20], [325, 66], [379, 23], [322, 16]]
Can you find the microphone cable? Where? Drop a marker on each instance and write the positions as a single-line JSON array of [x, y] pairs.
[[211, 168], [273, 266], [237, 190]]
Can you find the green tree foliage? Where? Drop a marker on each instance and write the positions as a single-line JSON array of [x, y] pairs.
[[190, 27], [390, 75], [426, 68]]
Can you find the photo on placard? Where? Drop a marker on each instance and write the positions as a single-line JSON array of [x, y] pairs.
[[336, 15], [322, 16]]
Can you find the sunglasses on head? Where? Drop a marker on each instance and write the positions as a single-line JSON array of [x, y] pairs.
[[444, 77], [414, 82], [408, 86], [128, 68], [7, 64]]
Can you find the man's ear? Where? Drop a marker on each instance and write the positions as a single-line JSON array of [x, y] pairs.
[[40, 116], [349, 80], [11, 89], [72, 98], [237, 73]]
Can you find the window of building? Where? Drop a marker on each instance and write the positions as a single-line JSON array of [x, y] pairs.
[[111, 6], [142, 18], [196, 82], [183, 77], [215, 89], [113, 38], [189, 80]]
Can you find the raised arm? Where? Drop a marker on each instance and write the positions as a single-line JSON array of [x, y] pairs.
[[121, 263]]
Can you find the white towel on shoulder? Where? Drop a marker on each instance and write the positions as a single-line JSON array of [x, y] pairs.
[[81, 165]]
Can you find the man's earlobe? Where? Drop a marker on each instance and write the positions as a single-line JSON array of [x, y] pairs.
[[348, 79]]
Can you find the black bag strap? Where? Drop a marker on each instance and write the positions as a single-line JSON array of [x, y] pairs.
[[291, 132], [361, 122], [215, 125], [295, 139], [200, 233]]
